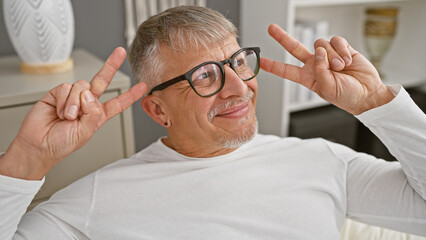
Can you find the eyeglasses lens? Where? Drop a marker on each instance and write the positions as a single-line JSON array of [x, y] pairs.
[[207, 79], [245, 64]]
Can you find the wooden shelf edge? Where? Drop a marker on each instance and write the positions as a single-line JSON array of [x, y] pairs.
[[410, 83], [295, 107]]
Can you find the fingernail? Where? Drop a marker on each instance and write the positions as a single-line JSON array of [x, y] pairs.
[[88, 96], [337, 64], [347, 60], [61, 114], [72, 111]]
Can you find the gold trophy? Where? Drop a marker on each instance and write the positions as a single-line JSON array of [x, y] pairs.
[[379, 31]]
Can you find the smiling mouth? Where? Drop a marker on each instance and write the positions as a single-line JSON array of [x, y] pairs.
[[235, 111], [236, 108]]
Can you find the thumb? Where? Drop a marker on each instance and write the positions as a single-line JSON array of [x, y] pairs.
[[321, 60], [321, 67], [91, 109]]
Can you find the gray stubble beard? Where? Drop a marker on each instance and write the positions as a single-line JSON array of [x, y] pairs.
[[246, 135], [239, 139]]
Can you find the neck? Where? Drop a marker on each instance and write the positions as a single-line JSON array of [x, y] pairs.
[[196, 150]]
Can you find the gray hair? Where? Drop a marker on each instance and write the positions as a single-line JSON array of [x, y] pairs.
[[180, 29]]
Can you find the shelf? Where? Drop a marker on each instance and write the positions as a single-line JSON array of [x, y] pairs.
[[403, 63], [308, 105], [316, 3], [396, 62], [35, 86], [408, 78]]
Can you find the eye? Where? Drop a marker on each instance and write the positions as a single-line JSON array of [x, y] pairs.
[[205, 76], [204, 79], [240, 62]]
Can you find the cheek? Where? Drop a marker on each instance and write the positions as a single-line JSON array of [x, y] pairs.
[[203, 109], [196, 110]]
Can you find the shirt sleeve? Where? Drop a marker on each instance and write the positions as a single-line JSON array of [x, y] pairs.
[[63, 216], [390, 194], [15, 196], [401, 126]]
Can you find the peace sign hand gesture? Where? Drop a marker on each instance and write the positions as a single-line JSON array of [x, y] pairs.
[[336, 72], [64, 120]]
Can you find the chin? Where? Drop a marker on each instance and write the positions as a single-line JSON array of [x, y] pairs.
[[239, 137]]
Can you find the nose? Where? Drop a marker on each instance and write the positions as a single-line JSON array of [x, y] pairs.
[[234, 86]]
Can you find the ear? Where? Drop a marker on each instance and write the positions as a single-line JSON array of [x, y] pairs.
[[155, 108]]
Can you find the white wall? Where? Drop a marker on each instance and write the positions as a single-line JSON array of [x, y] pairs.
[[99, 28]]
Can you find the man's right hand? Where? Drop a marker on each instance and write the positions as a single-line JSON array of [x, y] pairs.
[[64, 120]]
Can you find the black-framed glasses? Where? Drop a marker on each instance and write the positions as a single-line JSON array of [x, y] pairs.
[[208, 78]]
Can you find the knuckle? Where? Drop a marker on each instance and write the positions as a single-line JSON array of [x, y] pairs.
[[98, 76], [337, 39], [97, 112], [65, 85], [334, 38], [82, 83], [320, 42]]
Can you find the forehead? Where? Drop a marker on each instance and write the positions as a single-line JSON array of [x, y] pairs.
[[178, 63]]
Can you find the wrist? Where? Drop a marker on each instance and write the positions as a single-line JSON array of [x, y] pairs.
[[22, 162], [377, 99]]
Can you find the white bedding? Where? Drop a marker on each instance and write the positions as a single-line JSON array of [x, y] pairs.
[[353, 230]]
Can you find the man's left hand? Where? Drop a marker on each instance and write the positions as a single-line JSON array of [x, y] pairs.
[[336, 72]]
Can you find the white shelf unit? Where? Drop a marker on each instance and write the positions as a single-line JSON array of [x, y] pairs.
[[405, 63]]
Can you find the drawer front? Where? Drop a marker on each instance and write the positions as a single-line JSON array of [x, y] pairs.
[[106, 146], [10, 122]]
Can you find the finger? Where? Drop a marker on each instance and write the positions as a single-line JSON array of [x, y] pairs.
[[60, 93], [103, 78], [280, 69], [334, 58], [342, 47], [321, 70], [293, 46], [122, 102], [72, 105], [92, 112]]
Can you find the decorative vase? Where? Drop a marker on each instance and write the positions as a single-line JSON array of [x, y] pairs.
[[379, 31], [42, 33]]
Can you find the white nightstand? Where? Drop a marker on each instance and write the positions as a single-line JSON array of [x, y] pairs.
[[18, 93]]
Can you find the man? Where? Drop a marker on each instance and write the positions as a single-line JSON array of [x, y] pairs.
[[213, 177]]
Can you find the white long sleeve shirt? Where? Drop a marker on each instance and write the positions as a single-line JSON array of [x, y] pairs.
[[270, 188]]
